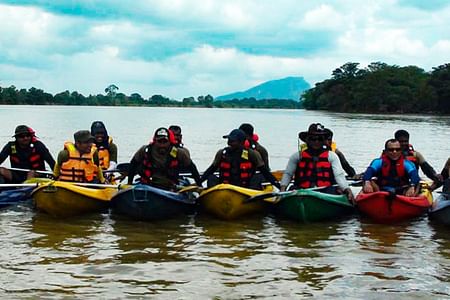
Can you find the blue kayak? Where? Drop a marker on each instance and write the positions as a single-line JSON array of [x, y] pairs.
[[14, 196], [440, 211], [143, 202]]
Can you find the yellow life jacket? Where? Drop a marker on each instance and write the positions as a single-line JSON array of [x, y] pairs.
[[79, 168], [103, 154]]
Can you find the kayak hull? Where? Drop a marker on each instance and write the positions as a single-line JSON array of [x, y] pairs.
[[228, 202], [383, 208], [65, 199], [440, 211], [311, 206], [147, 203], [14, 196]]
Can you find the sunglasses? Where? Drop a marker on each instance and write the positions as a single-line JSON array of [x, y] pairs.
[[24, 135], [316, 139], [394, 149]]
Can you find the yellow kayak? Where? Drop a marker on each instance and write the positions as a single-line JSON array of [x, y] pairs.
[[227, 201], [63, 199]]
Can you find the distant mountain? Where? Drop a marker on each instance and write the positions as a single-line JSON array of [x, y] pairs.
[[289, 88]]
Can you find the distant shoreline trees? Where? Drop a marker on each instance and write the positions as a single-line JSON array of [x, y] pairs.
[[33, 96], [382, 88]]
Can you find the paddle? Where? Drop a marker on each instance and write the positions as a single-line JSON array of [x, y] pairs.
[[190, 188], [9, 185], [265, 196], [28, 170]]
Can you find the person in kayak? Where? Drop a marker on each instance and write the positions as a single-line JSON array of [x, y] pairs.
[[159, 163], [237, 165], [331, 145], [107, 149], [391, 172], [251, 142], [25, 152], [316, 166], [77, 162], [416, 157], [178, 142], [445, 173], [177, 135]]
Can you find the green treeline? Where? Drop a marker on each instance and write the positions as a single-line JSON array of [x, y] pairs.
[[34, 96], [382, 88]]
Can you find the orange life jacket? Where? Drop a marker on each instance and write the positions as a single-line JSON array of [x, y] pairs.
[[392, 175], [313, 171], [148, 166], [79, 168], [33, 162], [103, 154], [246, 168]]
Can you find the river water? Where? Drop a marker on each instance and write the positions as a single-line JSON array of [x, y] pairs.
[[108, 257]]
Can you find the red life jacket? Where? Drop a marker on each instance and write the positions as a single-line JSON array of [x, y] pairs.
[[148, 166], [246, 168], [395, 178], [410, 155], [33, 162], [313, 171]]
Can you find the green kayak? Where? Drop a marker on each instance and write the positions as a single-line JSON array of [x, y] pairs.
[[310, 206]]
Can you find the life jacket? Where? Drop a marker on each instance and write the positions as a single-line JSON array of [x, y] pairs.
[[246, 168], [103, 154], [410, 155], [391, 175], [313, 171], [33, 162], [251, 143], [148, 165], [79, 168]]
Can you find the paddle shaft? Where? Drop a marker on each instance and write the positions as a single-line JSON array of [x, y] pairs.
[[8, 185], [28, 170]]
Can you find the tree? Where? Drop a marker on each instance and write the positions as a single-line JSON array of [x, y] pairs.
[[111, 90]]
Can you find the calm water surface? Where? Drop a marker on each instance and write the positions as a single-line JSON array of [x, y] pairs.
[[104, 256]]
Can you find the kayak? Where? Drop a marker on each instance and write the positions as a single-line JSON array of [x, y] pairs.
[[13, 196], [440, 211], [385, 208], [65, 199], [144, 202], [228, 201], [306, 206]]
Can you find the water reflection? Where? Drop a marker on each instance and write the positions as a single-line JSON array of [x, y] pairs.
[[158, 241]]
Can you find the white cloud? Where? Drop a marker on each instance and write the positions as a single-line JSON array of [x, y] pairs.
[[322, 17]]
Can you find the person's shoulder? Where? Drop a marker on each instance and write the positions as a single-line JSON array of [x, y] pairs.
[[39, 145], [182, 151]]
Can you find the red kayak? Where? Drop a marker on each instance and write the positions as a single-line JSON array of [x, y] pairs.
[[384, 208]]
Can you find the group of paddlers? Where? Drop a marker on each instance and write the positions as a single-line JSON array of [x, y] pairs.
[[243, 162]]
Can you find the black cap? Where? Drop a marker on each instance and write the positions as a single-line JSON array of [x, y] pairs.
[[235, 135], [161, 133], [21, 129], [83, 136]]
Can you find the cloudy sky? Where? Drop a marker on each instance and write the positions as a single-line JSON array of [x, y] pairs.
[[181, 48]]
